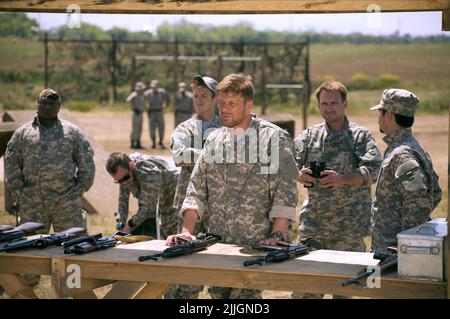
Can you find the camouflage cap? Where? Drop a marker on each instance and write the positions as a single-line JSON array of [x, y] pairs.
[[210, 83], [154, 83], [49, 95], [139, 86], [398, 101]]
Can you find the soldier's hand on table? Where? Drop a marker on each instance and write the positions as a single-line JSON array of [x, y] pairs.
[[305, 178], [269, 241], [330, 178], [127, 229], [178, 238]]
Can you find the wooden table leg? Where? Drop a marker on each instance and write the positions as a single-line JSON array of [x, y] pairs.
[[153, 290], [125, 290], [16, 287]]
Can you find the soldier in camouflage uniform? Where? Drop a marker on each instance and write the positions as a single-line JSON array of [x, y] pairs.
[[48, 166], [184, 106], [187, 143], [407, 189], [243, 195], [150, 180], [337, 209], [157, 99], [137, 102]]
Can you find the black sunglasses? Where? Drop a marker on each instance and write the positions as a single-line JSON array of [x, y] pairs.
[[124, 179]]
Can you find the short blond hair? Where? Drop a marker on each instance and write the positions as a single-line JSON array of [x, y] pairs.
[[332, 86], [239, 84]]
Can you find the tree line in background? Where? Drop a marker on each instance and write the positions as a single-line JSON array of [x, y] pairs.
[[20, 25]]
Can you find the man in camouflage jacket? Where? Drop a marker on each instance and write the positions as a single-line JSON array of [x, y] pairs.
[[48, 166], [407, 189]]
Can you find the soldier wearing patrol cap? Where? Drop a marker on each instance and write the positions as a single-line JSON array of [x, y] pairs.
[[137, 102], [48, 166], [407, 189], [157, 100], [184, 106]]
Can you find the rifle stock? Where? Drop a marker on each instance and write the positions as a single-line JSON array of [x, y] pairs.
[[283, 252], [185, 248], [20, 231], [55, 239]]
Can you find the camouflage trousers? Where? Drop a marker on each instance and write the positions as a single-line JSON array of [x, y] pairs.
[[156, 120], [63, 213], [346, 243], [136, 125]]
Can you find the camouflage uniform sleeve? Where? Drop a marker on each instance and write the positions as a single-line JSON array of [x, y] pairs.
[[369, 157], [124, 196], [409, 174], [14, 164], [196, 194], [300, 143], [150, 182], [182, 152], [84, 158], [166, 99], [412, 198], [130, 97], [283, 186]]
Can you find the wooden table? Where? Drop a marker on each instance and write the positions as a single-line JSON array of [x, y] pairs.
[[321, 271]]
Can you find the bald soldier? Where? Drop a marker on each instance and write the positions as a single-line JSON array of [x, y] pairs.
[[48, 166], [407, 189], [243, 185]]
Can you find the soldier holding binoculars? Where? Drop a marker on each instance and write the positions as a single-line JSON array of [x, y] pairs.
[[338, 162]]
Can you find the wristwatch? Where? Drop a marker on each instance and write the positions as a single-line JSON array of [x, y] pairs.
[[131, 223], [278, 235]]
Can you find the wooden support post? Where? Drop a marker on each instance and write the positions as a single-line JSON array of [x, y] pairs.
[[448, 214], [16, 287], [446, 20], [153, 290], [125, 290], [46, 60], [59, 277]]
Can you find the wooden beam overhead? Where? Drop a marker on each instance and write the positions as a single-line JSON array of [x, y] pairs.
[[224, 6], [446, 20]]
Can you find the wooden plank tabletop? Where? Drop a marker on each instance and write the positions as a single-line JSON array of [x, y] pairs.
[[321, 271]]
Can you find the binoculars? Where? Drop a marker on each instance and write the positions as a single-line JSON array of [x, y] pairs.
[[316, 170]]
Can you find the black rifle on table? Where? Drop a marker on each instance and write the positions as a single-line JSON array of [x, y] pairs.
[[5, 227], [387, 260], [280, 254], [91, 243], [55, 239], [20, 231], [185, 248]]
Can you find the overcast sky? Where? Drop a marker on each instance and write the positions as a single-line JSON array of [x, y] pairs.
[[414, 23]]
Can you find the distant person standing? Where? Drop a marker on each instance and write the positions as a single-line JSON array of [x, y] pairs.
[[184, 106], [137, 102], [157, 100]]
